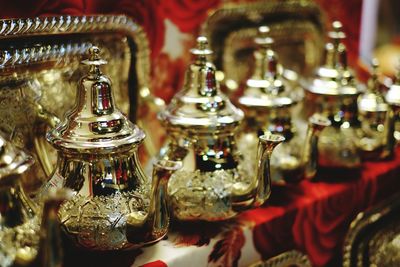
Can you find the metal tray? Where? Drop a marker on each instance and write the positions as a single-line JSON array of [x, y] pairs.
[[39, 71], [296, 26]]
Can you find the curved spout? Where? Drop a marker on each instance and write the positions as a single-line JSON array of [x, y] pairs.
[[266, 144], [316, 123], [150, 226]]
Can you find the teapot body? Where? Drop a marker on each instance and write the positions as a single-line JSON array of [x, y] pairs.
[[107, 188], [338, 145], [212, 168], [215, 182]]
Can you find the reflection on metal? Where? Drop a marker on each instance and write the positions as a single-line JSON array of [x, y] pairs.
[[333, 92], [215, 183], [393, 100], [115, 205], [372, 112], [296, 26], [290, 258], [268, 100], [374, 236], [39, 69]]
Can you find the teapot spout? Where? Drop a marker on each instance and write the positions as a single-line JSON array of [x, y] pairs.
[[151, 226], [316, 123], [266, 144]]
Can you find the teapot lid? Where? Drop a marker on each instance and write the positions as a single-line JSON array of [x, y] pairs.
[[393, 95], [372, 100], [267, 86], [200, 104], [334, 77], [94, 124], [12, 160]]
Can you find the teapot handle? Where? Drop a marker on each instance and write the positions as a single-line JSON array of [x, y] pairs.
[[45, 119]]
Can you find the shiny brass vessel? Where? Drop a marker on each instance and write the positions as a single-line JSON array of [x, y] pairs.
[[115, 206], [372, 112], [215, 182], [333, 92], [268, 101], [19, 231], [392, 98]]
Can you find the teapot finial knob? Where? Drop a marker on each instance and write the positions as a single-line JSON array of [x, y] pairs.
[[94, 58], [263, 37], [201, 50], [337, 33]]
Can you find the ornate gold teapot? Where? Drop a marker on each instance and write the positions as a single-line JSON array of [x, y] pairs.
[[114, 206], [372, 112], [215, 182], [19, 231], [333, 92], [268, 101]]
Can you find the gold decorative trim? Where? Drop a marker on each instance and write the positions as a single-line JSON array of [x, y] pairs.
[[63, 25], [234, 26], [40, 65], [365, 224], [288, 258]]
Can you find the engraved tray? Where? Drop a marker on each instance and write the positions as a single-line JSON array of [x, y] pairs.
[[373, 238], [296, 26], [39, 71]]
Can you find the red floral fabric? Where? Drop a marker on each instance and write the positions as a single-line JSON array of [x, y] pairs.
[[187, 14], [313, 217]]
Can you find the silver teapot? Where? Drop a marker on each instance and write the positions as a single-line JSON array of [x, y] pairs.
[[269, 101], [333, 92], [115, 206], [215, 182]]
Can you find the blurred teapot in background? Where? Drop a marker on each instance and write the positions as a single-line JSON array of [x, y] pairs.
[[215, 182], [268, 101]]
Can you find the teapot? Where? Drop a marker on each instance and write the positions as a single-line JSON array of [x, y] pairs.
[[19, 229], [215, 183], [392, 98], [372, 112], [114, 206], [268, 101], [333, 92]]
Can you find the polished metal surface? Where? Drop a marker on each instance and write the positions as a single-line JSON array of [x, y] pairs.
[[393, 100], [292, 258], [372, 112], [296, 26], [268, 101], [18, 214], [39, 68], [215, 182], [373, 238], [333, 92], [98, 159]]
